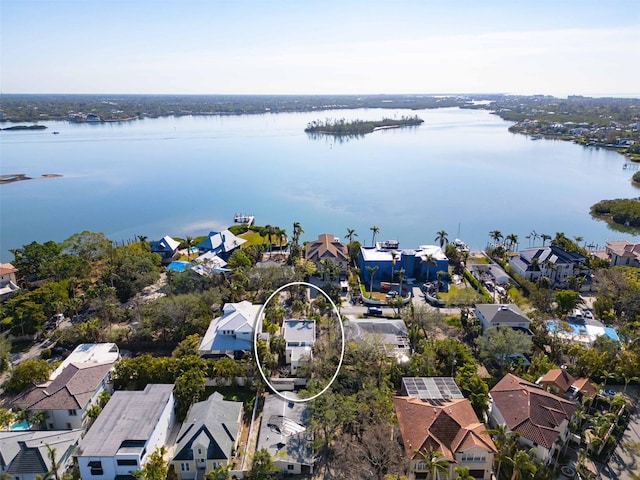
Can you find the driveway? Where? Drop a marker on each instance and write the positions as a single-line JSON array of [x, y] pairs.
[[623, 463]]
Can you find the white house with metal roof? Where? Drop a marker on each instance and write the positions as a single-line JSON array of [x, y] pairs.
[[232, 333], [506, 315], [127, 431], [300, 335]]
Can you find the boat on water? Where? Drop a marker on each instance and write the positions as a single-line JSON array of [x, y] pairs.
[[460, 245], [536, 136], [56, 133], [244, 218]]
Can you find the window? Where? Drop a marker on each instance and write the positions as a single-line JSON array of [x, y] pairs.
[[128, 462], [73, 413], [290, 467], [184, 467], [96, 468], [199, 451], [422, 465], [474, 458]]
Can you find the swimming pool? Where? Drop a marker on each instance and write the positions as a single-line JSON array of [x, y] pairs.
[[21, 425], [178, 266]]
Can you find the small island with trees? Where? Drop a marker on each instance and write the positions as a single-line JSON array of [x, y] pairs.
[[359, 127], [621, 211]]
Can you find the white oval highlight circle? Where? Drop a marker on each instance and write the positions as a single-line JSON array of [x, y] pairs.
[[255, 343]]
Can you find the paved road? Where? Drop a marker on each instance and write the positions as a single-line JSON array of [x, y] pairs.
[[623, 463]]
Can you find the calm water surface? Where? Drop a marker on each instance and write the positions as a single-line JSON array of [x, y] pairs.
[[461, 171]]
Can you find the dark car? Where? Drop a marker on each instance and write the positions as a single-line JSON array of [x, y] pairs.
[[374, 311]]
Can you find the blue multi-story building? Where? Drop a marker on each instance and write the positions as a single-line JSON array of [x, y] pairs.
[[421, 264]]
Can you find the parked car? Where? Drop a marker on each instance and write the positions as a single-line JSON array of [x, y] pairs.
[[374, 311], [392, 294]]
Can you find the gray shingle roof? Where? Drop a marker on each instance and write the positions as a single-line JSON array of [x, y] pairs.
[[214, 421], [127, 416], [25, 452]]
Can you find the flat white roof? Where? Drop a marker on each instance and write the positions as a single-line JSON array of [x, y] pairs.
[[384, 255], [89, 354]]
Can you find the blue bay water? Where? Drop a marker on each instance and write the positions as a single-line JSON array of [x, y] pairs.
[[461, 171]]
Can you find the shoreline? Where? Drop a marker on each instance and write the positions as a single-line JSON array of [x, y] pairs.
[[18, 177]]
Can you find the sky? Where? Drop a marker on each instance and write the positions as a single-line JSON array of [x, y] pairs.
[[559, 47]]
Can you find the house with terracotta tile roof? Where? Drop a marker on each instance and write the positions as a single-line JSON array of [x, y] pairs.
[[624, 253], [73, 387], [328, 247], [561, 382], [540, 417], [448, 426], [8, 283]]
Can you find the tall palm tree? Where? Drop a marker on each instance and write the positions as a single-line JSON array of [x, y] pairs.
[[512, 238], [55, 466], [375, 231], [297, 231], [442, 238], [350, 234], [496, 236], [534, 236], [544, 238], [188, 241], [281, 236], [522, 465], [428, 260], [372, 271], [505, 441], [435, 462]]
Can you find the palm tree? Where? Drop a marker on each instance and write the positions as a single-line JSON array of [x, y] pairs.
[[281, 236], [40, 418], [51, 453], [463, 473], [496, 236], [350, 234], [188, 241], [372, 271], [441, 237], [435, 462], [512, 238], [522, 465], [297, 231], [375, 231], [428, 260], [578, 239], [534, 236], [221, 472], [544, 238], [505, 440]]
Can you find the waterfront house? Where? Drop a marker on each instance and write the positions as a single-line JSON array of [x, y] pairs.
[[166, 247], [435, 415], [72, 387], [208, 437], [327, 248], [283, 432], [232, 333], [221, 243], [300, 335], [129, 429], [423, 263], [552, 262], [505, 315], [624, 253], [8, 283], [538, 416], [24, 453]]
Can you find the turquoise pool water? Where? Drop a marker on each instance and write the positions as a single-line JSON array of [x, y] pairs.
[[21, 425], [178, 266]]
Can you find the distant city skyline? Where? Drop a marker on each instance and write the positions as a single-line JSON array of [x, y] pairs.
[[330, 47]]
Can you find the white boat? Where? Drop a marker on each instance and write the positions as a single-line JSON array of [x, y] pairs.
[[460, 245]]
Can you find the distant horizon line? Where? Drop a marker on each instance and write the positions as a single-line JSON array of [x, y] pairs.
[[450, 94]]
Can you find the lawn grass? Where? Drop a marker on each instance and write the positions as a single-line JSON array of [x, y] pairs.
[[234, 393], [252, 238]]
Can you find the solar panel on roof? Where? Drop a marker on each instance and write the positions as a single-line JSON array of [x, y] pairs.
[[432, 388]]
